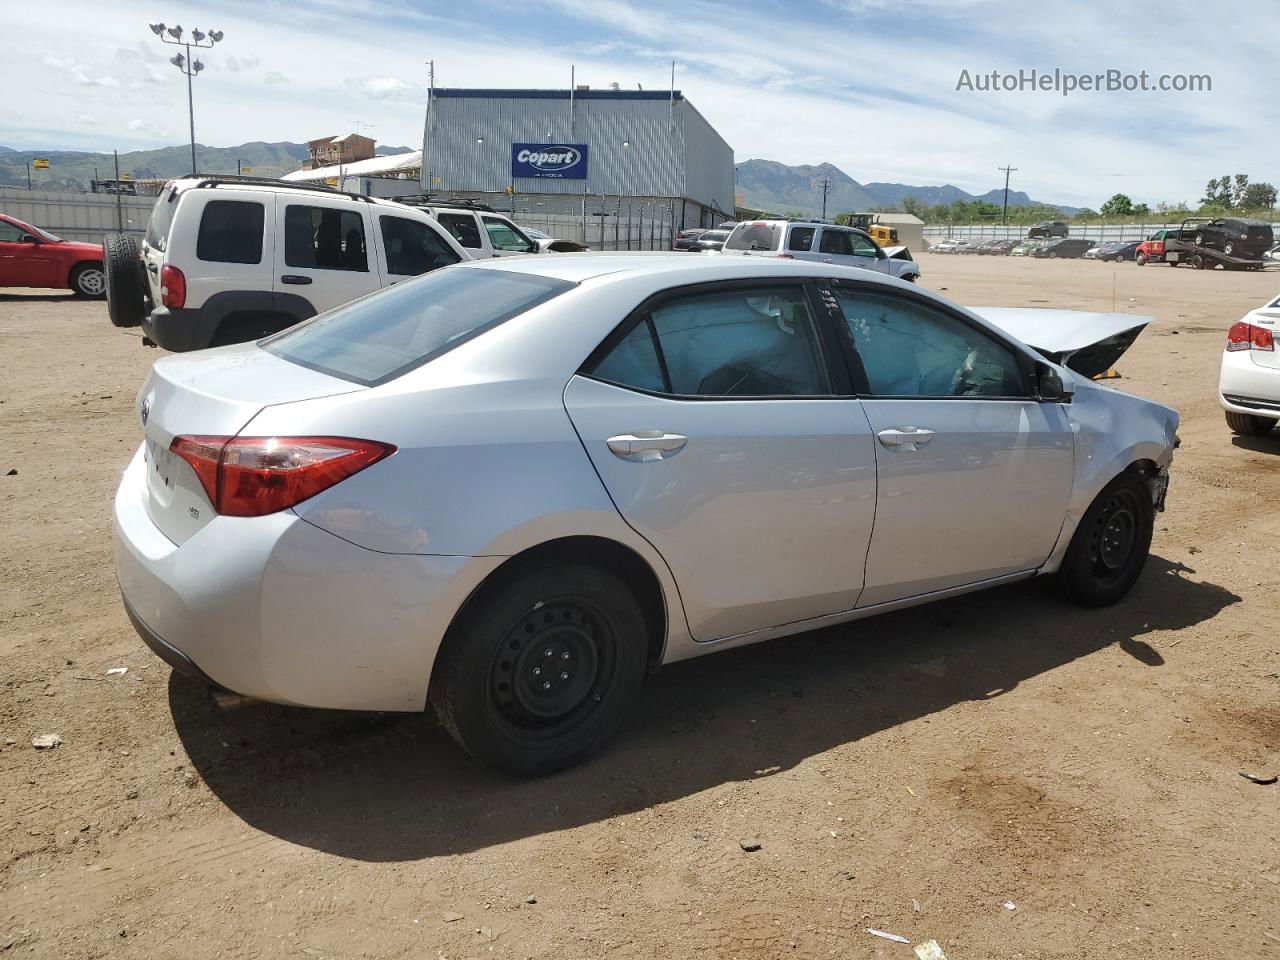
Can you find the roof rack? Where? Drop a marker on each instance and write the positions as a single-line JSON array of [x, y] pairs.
[[214, 180], [428, 200]]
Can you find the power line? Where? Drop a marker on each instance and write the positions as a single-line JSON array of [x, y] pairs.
[[826, 185], [1004, 216]]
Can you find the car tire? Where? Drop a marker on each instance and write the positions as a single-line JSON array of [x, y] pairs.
[[910, 277], [88, 280], [1110, 545], [1248, 424], [1199, 240], [125, 286], [1140, 259], [1052, 255], [506, 700]]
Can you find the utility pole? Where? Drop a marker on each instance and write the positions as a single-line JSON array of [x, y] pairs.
[[826, 185], [201, 41], [1004, 217]]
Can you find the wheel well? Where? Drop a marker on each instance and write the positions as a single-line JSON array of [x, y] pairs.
[[622, 561], [1143, 468], [241, 325]]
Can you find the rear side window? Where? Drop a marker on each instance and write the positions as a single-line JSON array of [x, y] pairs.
[[323, 238], [378, 338], [463, 227], [801, 239], [755, 236], [161, 219], [835, 242], [739, 343], [230, 232], [413, 247]]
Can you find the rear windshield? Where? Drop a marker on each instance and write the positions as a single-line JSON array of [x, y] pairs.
[[754, 236], [382, 336], [161, 218]]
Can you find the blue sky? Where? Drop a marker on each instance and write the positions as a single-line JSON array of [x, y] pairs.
[[869, 85]]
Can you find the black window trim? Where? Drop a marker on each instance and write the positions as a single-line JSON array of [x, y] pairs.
[[1023, 355], [829, 348]]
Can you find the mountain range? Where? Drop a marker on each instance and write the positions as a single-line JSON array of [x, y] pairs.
[[778, 188], [73, 169]]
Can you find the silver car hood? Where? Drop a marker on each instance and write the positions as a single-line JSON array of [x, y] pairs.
[[1087, 342]]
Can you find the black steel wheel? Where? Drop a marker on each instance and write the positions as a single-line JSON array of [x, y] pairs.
[[1111, 543], [542, 668]]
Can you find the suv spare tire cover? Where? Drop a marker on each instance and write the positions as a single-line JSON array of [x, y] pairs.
[[122, 265]]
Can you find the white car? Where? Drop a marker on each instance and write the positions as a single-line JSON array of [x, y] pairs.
[[227, 259], [814, 240], [510, 489], [1249, 385], [949, 246], [549, 244]]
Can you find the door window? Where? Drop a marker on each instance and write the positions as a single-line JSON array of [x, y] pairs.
[[801, 239], [463, 227], [504, 237], [9, 233], [230, 232], [413, 247], [864, 246], [911, 350], [324, 238], [835, 242], [741, 343]]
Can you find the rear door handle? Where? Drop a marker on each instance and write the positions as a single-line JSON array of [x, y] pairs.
[[646, 445], [295, 278], [826, 259], [909, 438]]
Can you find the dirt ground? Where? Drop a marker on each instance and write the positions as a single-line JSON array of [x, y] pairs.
[[1004, 773]]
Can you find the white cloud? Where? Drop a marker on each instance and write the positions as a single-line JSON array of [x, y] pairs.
[[235, 64], [387, 88], [81, 72], [275, 76]]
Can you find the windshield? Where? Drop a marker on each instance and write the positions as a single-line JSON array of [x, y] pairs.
[[35, 231], [754, 236], [387, 334]]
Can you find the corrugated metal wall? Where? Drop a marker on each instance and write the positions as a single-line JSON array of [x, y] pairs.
[[636, 147], [77, 216]]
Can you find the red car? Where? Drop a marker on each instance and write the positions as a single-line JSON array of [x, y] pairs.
[[30, 257]]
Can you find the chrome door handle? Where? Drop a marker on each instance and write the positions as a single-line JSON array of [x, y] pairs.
[[646, 445], [826, 259], [911, 438]]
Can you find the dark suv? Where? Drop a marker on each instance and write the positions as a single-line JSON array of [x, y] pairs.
[[1233, 236], [1048, 228]]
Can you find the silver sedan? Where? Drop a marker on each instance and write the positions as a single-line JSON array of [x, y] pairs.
[[507, 490]]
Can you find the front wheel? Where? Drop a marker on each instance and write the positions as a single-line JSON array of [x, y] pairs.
[[89, 280], [542, 670], [1140, 259], [1110, 546], [1248, 424]]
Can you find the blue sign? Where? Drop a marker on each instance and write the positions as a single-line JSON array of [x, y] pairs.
[[556, 161]]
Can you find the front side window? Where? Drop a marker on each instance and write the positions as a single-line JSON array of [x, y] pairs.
[[864, 246], [463, 227], [413, 247], [9, 233], [230, 232], [801, 239], [378, 338], [835, 242], [504, 237], [324, 238], [911, 350], [740, 343]]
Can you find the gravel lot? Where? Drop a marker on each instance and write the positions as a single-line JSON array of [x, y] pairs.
[[1005, 773]]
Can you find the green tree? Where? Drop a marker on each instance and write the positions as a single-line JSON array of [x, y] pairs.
[[1118, 206], [1217, 194], [1238, 189], [1141, 210], [1258, 196], [914, 206]]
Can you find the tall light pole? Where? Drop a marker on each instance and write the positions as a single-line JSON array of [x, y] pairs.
[[187, 64]]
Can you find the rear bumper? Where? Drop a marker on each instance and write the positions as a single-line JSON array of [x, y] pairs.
[[278, 609], [180, 330], [1248, 387]]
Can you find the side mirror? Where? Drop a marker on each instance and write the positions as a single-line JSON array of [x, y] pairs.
[[29, 238], [1050, 387]]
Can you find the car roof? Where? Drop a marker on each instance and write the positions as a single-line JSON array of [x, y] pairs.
[[676, 267]]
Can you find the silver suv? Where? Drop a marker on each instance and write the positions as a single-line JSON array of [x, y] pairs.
[[818, 241]]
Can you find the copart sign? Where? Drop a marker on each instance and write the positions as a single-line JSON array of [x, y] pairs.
[[556, 161]]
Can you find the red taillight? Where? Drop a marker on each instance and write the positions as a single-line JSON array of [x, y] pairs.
[[254, 476], [173, 288], [1245, 336]]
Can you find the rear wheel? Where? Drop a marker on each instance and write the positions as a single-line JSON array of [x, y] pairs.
[[124, 284], [88, 280], [541, 670], [1228, 248], [1110, 546], [1249, 425]]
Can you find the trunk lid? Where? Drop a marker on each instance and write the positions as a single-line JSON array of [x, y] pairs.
[[1089, 343], [1268, 318], [210, 393]]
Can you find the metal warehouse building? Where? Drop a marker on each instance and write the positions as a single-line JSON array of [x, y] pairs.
[[609, 158]]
